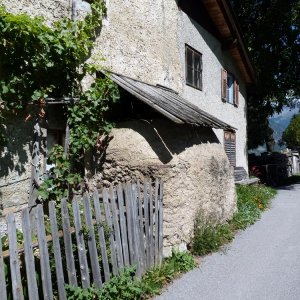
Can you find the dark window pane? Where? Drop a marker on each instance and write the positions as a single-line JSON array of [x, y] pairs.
[[197, 78], [197, 62], [189, 57], [189, 75]]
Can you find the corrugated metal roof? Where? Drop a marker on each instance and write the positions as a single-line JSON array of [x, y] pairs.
[[168, 103]]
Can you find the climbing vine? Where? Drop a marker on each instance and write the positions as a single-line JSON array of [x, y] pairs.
[[39, 61]]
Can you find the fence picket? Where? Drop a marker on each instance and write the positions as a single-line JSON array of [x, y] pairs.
[[92, 242], [141, 227], [146, 207], [101, 236], [116, 226], [3, 294], [123, 225], [57, 252], [129, 217], [14, 259], [151, 241], [156, 223], [44, 254], [29, 258], [136, 238], [109, 223], [160, 217], [80, 234], [68, 243], [136, 235]]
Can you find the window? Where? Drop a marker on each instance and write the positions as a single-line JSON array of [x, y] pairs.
[[230, 88], [230, 146], [193, 62]]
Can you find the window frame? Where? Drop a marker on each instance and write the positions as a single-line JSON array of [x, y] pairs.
[[224, 88], [194, 69]]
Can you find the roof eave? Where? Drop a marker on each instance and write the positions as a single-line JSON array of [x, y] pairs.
[[225, 21]]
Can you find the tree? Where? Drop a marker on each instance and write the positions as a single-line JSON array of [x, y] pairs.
[[272, 34], [291, 136]]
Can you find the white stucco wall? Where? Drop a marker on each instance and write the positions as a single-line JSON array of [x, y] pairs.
[[209, 99], [147, 42], [139, 39]]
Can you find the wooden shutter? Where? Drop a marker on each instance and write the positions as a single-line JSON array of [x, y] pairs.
[[236, 93], [230, 146], [224, 85]]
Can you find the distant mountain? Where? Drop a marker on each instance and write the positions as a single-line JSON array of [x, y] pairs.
[[280, 122]]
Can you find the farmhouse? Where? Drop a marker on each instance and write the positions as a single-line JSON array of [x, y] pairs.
[[183, 73]]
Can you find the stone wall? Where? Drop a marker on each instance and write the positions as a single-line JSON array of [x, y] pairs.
[[190, 161]]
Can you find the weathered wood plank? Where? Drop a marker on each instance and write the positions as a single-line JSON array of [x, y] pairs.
[[156, 223], [151, 241], [147, 238], [92, 242], [109, 223], [84, 269], [57, 252], [130, 223], [123, 226], [116, 226], [3, 294], [101, 236], [44, 254], [160, 217], [141, 228], [14, 258], [68, 243], [29, 258], [136, 235]]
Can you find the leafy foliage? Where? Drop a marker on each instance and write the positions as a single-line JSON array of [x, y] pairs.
[[37, 61], [87, 117], [291, 135], [154, 279], [272, 34], [61, 178], [126, 287]]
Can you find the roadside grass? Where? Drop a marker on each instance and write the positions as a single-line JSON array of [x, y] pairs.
[[127, 287], [251, 201]]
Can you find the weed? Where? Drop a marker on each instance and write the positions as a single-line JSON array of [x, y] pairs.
[[251, 201], [154, 279], [208, 237], [126, 287]]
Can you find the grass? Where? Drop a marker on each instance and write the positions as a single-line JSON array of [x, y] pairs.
[[251, 201], [125, 286]]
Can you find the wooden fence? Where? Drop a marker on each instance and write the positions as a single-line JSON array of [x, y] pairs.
[[83, 242]]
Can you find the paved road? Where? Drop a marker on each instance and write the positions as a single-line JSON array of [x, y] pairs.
[[262, 262]]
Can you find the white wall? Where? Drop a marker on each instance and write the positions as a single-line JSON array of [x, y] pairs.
[[209, 99]]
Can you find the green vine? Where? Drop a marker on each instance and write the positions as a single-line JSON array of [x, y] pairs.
[[38, 61]]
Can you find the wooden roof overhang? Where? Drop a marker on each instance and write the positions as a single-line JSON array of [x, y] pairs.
[[224, 19], [167, 102]]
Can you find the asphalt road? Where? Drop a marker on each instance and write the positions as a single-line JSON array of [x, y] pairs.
[[263, 262]]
